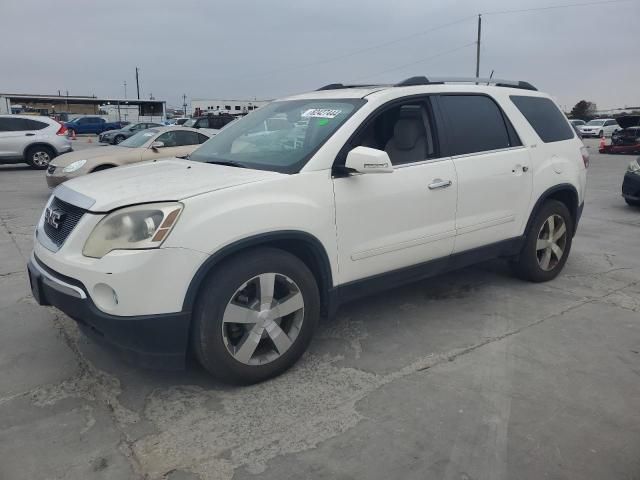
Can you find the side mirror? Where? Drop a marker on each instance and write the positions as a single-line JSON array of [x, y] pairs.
[[156, 145], [368, 160]]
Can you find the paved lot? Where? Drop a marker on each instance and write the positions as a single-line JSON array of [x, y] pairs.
[[474, 375]]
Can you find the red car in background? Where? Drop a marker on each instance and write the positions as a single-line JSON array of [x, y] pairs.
[[626, 140]]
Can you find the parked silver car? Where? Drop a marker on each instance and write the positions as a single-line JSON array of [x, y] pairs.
[[32, 139]]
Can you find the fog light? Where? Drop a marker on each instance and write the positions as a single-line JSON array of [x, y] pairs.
[[105, 297]]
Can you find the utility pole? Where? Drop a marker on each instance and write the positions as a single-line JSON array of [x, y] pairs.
[[184, 103], [137, 83], [478, 46], [125, 89]]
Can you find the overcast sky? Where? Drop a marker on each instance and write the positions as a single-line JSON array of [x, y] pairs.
[[270, 48]]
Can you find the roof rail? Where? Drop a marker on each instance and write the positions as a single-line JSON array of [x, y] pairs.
[[339, 86], [489, 81]]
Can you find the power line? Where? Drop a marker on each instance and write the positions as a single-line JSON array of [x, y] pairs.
[[423, 60], [553, 7], [367, 49]]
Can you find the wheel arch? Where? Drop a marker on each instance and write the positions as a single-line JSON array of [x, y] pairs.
[[564, 193], [39, 144], [300, 244], [103, 166]]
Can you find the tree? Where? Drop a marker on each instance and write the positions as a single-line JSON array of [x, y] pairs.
[[583, 110]]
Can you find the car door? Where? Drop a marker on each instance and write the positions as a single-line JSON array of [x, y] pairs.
[[389, 221], [176, 143], [492, 166], [13, 137], [610, 126]]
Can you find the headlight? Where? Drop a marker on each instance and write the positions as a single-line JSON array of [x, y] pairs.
[[634, 167], [72, 167], [132, 228]]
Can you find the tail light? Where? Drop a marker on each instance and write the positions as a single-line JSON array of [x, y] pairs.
[[62, 130], [585, 156]]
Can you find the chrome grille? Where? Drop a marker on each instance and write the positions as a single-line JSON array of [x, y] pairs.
[[70, 215]]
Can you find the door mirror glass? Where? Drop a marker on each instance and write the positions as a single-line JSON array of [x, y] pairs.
[[368, 160]]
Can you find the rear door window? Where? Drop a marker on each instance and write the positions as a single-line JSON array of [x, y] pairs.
[[475, 123], [545, 118], [28, 124]]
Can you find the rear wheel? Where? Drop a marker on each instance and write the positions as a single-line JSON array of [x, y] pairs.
[[547, 244], [38, 157], [255, 316], [633, 203]]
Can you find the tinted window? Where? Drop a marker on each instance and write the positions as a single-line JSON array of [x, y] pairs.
[[28, 124], [7, 125], [545, 118], [178, 138], [474, 124], [202, 138], [202, 123], [20, 124]]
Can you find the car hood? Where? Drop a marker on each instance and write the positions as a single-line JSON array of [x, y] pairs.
[[90, 154], [628, 121], [159, 180]]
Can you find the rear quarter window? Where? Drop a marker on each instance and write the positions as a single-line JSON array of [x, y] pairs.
[[545, 118]]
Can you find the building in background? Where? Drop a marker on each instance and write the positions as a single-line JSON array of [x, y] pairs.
[[65, 107], [233, 107]]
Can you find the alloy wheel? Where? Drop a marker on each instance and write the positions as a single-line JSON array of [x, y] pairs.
[[551, 243], [41, 159], [263, 319]]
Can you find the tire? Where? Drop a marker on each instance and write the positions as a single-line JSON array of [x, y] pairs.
[[632, 203], [217, 339], [530, 264], [601, 134], [118, 139], [39, 156], [71, 132]]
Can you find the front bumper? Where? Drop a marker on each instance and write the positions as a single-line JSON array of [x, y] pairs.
[[155, 341], [631, 186], [55, 180]]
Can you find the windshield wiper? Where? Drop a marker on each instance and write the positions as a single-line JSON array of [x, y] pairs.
[[229, 163], [184, 157]]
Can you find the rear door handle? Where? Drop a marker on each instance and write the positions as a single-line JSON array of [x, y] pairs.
[[439, 183], [29, 134]]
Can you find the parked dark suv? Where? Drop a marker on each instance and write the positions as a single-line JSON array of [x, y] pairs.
[[214, 122]]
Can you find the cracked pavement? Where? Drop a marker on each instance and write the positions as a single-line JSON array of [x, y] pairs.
[[471, 375]]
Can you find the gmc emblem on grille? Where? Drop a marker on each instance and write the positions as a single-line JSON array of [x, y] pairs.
[[54, 217]]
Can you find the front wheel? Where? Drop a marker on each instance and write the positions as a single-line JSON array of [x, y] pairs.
[[118, 139], [601, 134], [632, 203], [255, 316], [547, 244]]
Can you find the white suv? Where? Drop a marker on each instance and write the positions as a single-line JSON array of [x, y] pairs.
[[35, 140], [235, 252]]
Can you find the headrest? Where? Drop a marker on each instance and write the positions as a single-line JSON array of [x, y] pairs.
[[408, 129]]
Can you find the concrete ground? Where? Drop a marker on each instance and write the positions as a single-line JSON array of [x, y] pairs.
[[473, 375]]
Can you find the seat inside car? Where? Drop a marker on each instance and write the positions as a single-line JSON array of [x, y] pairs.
[[409, 141]]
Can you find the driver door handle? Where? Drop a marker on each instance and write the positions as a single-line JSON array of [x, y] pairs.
[[439, 183]]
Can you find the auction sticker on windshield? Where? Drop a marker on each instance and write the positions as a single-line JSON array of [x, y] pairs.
[[321, 113]]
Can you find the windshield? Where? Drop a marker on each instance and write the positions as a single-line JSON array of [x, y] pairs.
[[139, 139], [596, 122], [189, 123], [281, 136], [130, 127]]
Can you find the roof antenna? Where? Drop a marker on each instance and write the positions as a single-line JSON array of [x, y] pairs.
[[490, 77]]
